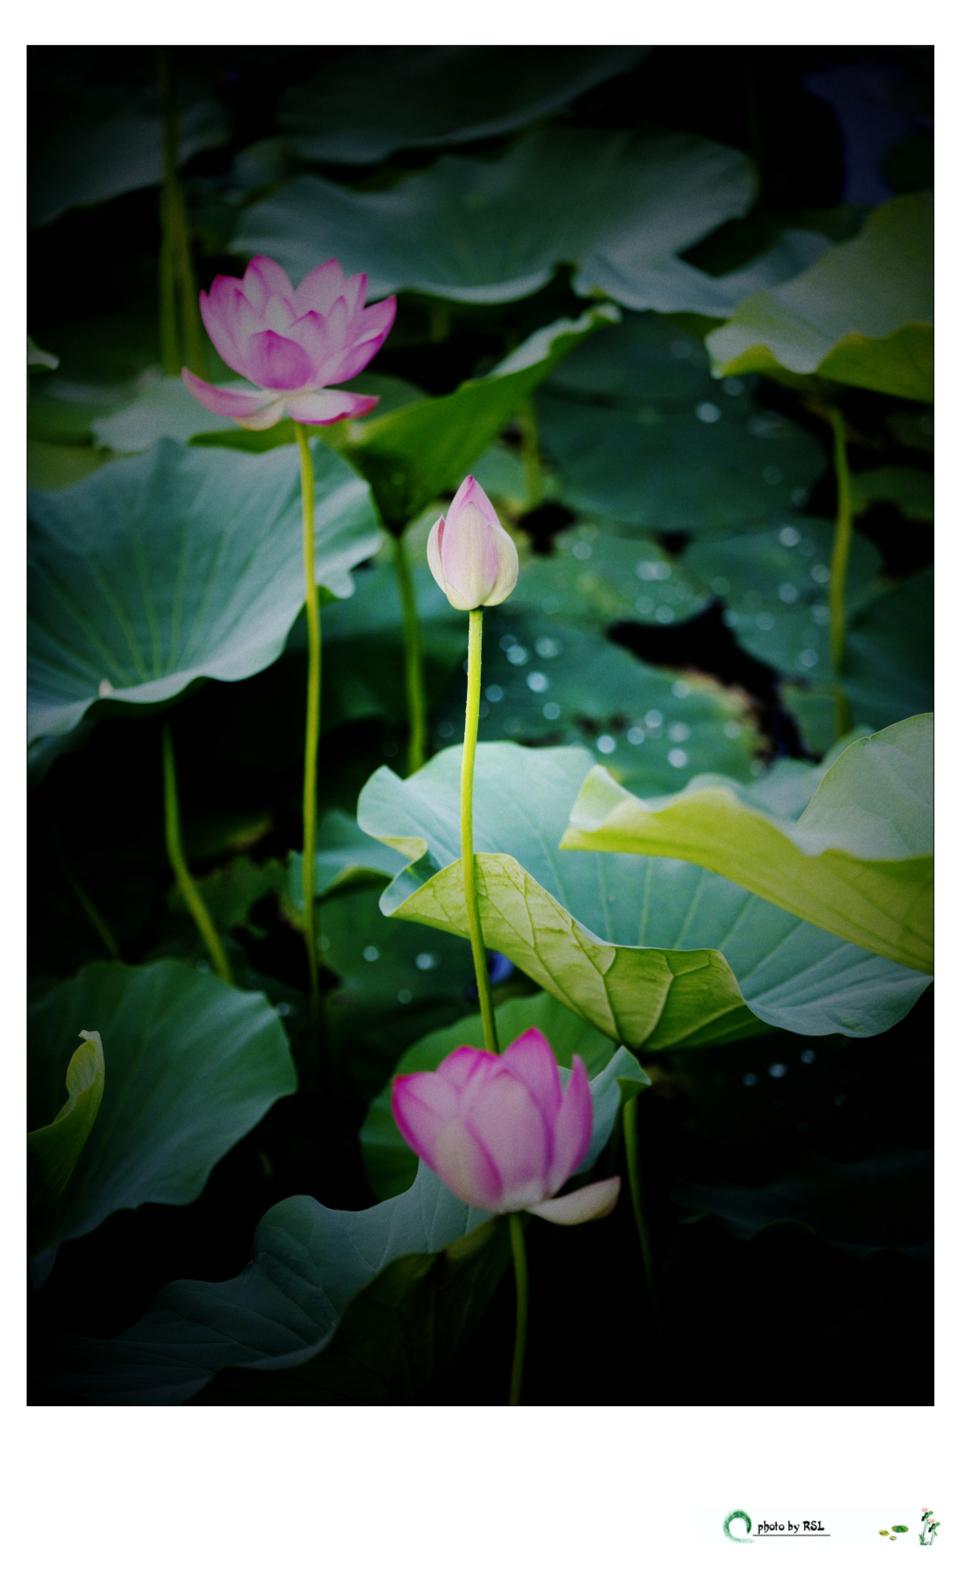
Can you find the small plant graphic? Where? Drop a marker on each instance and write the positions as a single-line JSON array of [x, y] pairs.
[[929, 1528]]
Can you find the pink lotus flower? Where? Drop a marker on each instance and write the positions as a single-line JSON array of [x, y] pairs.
[[503, 1133], [471, 557], [292, 343]]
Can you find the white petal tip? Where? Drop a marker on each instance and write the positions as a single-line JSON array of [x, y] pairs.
[[586, 1203]]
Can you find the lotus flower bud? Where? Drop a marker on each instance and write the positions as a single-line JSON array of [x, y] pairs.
[[471, 556], [503, 1133]]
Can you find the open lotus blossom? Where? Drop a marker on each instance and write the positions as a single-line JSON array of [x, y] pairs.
[[471, 557], [292, 343], [503, 1133]]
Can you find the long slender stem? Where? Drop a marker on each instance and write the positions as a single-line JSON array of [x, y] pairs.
[[189, 890], [631, 1149], [313, 718], [93, 914], [169, 333], [842, 540], [520, 1275], [176, 260], [413, 658], [474, 658]]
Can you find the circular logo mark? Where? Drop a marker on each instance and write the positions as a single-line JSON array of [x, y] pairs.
[[738, 1515]]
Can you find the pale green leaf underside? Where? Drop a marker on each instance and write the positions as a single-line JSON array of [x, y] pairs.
[[192, 1065], [857, 863], [55, 1149], [862, 314], [682, 957], [176, 565]]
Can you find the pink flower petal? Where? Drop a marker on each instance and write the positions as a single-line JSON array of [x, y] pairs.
[[466, 1166], [470, 493], [425, 1110], [586, 1203], [320, 407], [502, 1116], [276, 362], [354, 292], [278, 314], [368, 334], [229, 319], [467, 1068], [530, 1058], [310, 332], [423, 1104], [318, 291], [241, 320], [434, 559], [338, 324], [508, 569], [572, 1129], [263, 279], [468, 553], [375, 322], [254, 408]]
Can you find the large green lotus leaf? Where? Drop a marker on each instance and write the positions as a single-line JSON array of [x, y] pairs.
[[412, 454], [233, 890], [593, 576], [161, 407], [309, 1263], [775, 584], [680, 287], [644, 361], [345, 856], [551, 683], [887, 666], [395, 1338], [638, 432], [827, 321], [52, 466], [858, 862], [682, 957], [191, 1066], [616, 1075], [861, 1205], [177, 565], [53, 1150], [103, 361], [390, 978], [909, 490], [354, 115], [467, 230], [104, 142], [364, 671], [697, 472], [500, 472]]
